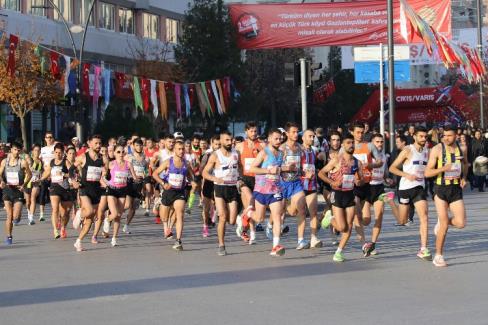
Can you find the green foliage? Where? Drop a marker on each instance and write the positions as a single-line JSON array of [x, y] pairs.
[[118, 121], [206, 49]]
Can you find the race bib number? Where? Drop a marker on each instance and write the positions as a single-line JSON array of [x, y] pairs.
[[419, 172], [36, 175], [120, 178], [455, 171], [176, 180], [231, 175], [308, 168], [247, 164], [140, 171], [57, 174], [12, 178], [378, 174], [347, 182], [292, 160], [93, 174]]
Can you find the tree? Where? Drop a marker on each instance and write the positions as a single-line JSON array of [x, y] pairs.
[[28, 89]]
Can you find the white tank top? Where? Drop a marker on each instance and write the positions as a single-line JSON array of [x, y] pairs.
[[164, 155], [378, 174], [415, 166], [228, 169]]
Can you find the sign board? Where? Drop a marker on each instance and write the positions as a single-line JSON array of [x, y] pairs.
[[369, 72], [372, 53]]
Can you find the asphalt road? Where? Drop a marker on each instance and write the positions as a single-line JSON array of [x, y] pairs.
[[143, 281]]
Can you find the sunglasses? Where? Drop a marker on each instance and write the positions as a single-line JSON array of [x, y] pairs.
[[49, 137], [118, 151]]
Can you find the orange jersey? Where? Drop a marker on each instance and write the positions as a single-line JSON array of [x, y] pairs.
[[363, 154], [248, 154]]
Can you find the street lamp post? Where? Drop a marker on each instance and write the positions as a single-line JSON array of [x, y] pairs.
[[77, 29], [480, 53]]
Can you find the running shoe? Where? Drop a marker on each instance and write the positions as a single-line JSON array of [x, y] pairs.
[[259, 227], [285, 230], [246, 214], [63, 233], [105, 234], [374, 252], [106, 225], [424, 254], [114, 242], [58, 225], [77, 219], [168, 234], [338, 257], [222, 251], [8, 240], [31, 221], [317, 243], [436, 228], [126, 229], [146, 214], [439, 261], [409, 223], [368, 248], [16, 222], [269, 232], [252, 241], [157, 220], [94, 240], [56, 234], [205, 232], [303, 244], [41, 218], [326, 219], [177, 245], [78, 246], [245, 237], [239, 226], [278, 250]]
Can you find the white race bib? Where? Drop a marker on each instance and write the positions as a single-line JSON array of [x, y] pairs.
[[176, 180], [419, 172], [378, 174], [93, 174], [292, 160], [308, 168], [455, 171], [140, 171], [248, 163], [36, 175], [56, 174], [230, 175], [120, 178], [12, 178], [347, 182]]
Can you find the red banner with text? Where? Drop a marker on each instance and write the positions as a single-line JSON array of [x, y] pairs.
[[265, 26]]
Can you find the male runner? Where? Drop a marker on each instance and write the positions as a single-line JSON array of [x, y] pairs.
[[226, 168], [196, 154], [91, 165], [450, 167], [14, 172], [343, 173], [410, 165], [267, 190], [248, 150], [208, 188], [47, 154]]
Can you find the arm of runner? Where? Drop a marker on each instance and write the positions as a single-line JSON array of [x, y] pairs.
[[27, 171], [132, 172], [376, 155], [465, 167], [209, 167], [359, 180], [191, 174], [323, 173], [395, 166], [430, 170], [46, 173], [158, 171], [255, 169], [2, 168]]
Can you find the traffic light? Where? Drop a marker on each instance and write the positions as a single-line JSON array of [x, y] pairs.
[[310, 69]]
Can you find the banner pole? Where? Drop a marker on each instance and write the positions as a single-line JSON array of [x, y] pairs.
[[303, 91], [391, 76], [480, 53], [382, 100]]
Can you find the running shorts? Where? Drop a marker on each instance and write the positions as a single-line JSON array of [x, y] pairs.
[[448, 193], [289, 189], [228, 193], [248, 182], [134, 190], [412, 195], [375, 191], [93, 192], [267, 199], [168, 197], [65, 195], [342, 199], [208, 189], [13, 194], [363, 192], [117, 192]]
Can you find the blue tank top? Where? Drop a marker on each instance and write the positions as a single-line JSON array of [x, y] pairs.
[[269, 184], [176, 177]]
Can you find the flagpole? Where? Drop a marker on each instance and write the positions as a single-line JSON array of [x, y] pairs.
[[480, 53], [391, 75]]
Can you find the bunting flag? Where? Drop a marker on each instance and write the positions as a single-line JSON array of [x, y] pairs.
[[55, 71], [226, 89], [14, 40], [154, 98], [221, 96], [137, 94], [202, 103], [72, 83], [106, 75], [145, 93], [216, 96], [86, 79], [163, 104], [186, 96], [67, 71], [96, 92], [210, 97], [178, 99], [191, 91]]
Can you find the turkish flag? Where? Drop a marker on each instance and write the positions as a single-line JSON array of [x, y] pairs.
[[145, 88], [55, 65], [86, 79], [14, 40]]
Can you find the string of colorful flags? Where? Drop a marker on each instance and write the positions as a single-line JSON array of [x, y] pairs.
[[211, 96], [452, 55]]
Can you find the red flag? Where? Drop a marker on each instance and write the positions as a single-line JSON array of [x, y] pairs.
[[86, 79], [14, 40], [145, 89], [55, 65], [210, 95]]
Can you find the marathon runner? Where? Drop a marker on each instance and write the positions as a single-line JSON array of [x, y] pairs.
[[47, 154], [208, 203], [448, 163], [32, 188]]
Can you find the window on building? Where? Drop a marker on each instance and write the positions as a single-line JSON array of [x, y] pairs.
[[36, 7], [84, 10], [126, 21], [172, 30], [106, 17], [10, 4], [151, 26], [66, 9]]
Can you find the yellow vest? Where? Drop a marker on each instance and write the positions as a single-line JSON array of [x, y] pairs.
[[453, 176]]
